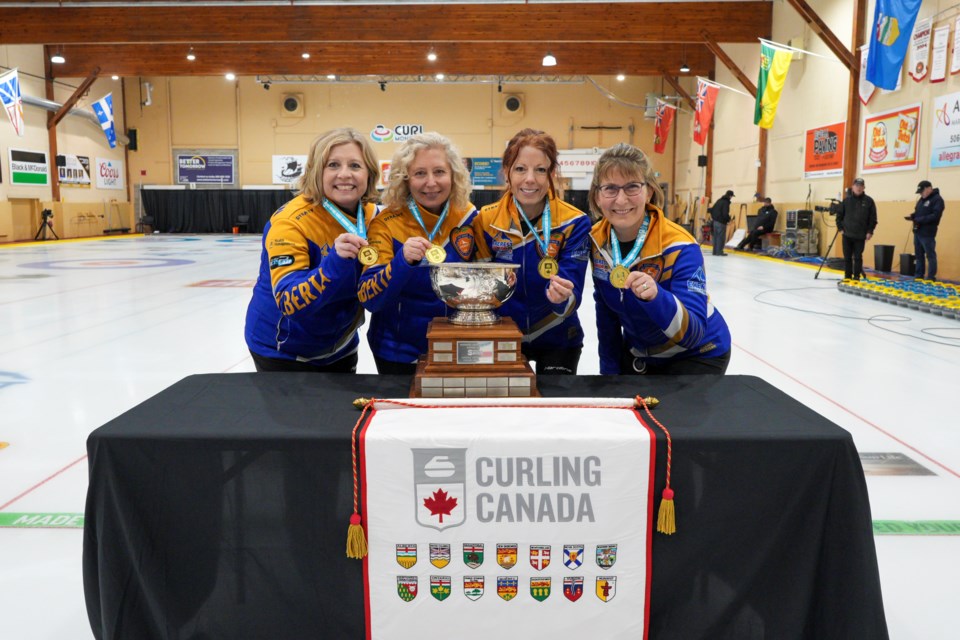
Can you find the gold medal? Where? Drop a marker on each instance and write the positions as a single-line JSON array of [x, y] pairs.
[[548, 268], [436, 254], [618, 277], [368, 255]]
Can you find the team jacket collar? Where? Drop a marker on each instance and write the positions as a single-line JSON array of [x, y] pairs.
[[652, 246], [507, 218]]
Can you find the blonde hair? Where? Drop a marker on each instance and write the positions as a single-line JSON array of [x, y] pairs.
[[311, 182], [628, 160], [398, 190]]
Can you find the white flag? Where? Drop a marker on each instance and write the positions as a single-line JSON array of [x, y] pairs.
[[104, 110], [866, 87], [12, 101]]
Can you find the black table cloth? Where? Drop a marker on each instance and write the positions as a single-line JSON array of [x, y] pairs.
[[219, 508]]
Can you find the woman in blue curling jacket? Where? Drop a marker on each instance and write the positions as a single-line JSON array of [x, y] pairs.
[[304, 313], [532, 226], [653, 312], [426, 218]]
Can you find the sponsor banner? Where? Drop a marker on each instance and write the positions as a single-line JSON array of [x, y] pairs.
[[109, 173], [920, 50], [955, 58], [28, 168], [891, 140], [288, 169], [892, 464], [42, 520], [397, 133], [202, 168], [485, 172], [941, 40], [823, 151], [565, 531], [916, 527], [945, 138], [73, 171], [577, 163]]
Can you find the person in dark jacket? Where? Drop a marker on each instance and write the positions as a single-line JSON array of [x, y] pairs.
[[926, 219], [720, 212], [766, 221], [856, 221]]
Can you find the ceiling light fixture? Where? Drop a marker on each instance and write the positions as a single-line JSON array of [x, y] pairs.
[[684, 68], [621, 77], [683, 56], [331, 76], [305, 55], [114, 77], [432, 55], [230, 76], [58, 58], [549, 60], [440, 76], [191, 56]]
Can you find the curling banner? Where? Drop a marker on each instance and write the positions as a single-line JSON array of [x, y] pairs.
[[518, 522]]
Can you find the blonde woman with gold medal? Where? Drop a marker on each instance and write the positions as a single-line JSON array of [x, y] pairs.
[[532, 226], [426, 220], [304, 313], [650, 289]]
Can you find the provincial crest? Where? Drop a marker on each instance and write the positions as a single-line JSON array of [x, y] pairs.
[[539, 556], [407, 587], [473, 587], [439, 554], [501, 242], [572, 556], [606, 555], [507, 587], [439, 477], [540, 588], [440, 587], [606, 588], [507, 555], [462, 239], [473, 554], [572, 588], [406, 555], [652, 269]]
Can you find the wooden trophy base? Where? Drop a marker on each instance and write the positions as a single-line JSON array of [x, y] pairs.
[[466, 361]]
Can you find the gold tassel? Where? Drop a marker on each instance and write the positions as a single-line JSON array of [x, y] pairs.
[[356, 540], [666, 517]]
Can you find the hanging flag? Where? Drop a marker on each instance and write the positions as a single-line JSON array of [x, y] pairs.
[[893, 22], [866, 87], [104, 110], [920, 50], [12, 101], [706, 100], [774, 64], [662, 126]]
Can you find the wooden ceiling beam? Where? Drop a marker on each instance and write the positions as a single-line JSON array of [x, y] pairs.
[[675, 83], [72, 100], [663, 22], [829, 38], [728, 62]]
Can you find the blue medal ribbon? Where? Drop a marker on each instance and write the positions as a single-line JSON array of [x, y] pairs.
[[358, 229], [412, 205], [545, 241], [637, 245]]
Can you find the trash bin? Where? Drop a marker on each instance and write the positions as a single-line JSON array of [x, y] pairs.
[[907, 265], [883, 257]]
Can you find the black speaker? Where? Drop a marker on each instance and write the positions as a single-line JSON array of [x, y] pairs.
[[61, 161], [701, 161], [132, 134], [804, 219]]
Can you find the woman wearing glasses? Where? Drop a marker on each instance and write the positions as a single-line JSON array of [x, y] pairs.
[[531, 225], [426, 219], [653, 312]]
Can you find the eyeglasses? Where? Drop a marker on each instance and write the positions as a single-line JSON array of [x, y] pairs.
[[613, 190]]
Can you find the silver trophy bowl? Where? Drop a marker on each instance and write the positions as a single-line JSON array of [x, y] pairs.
[[474, 289]]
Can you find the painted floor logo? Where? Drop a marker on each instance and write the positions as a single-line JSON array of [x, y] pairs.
[[439, 476]]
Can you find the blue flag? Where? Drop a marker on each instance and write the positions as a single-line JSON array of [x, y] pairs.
[[11, 99], [104, 110], [893, 22]]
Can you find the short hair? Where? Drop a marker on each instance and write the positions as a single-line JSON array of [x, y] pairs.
[[539, 140], [768, 200], [311, 182], [629, 161], [398, 190]]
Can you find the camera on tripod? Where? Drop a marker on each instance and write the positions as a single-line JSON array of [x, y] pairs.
[[46, 214], [833, 209]]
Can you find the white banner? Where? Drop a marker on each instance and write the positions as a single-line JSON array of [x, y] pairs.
[[945, 136], [109, 173], [288, 169], [866, 87], [941, 40], [955, 60], [507, 522], [920, 50]]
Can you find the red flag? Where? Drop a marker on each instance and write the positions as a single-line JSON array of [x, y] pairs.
[[706, 99], [664, 121]]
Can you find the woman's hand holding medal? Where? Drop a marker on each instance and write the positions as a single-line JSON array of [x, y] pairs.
[[642, 285], [348, 245], [559, 290], [415, 248]]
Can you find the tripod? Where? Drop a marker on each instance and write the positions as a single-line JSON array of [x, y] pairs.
[[45, 224], [823, 260]]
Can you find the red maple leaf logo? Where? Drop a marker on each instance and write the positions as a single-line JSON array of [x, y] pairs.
[[440, 504]]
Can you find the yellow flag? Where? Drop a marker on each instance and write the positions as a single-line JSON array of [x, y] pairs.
[[774, 64]]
